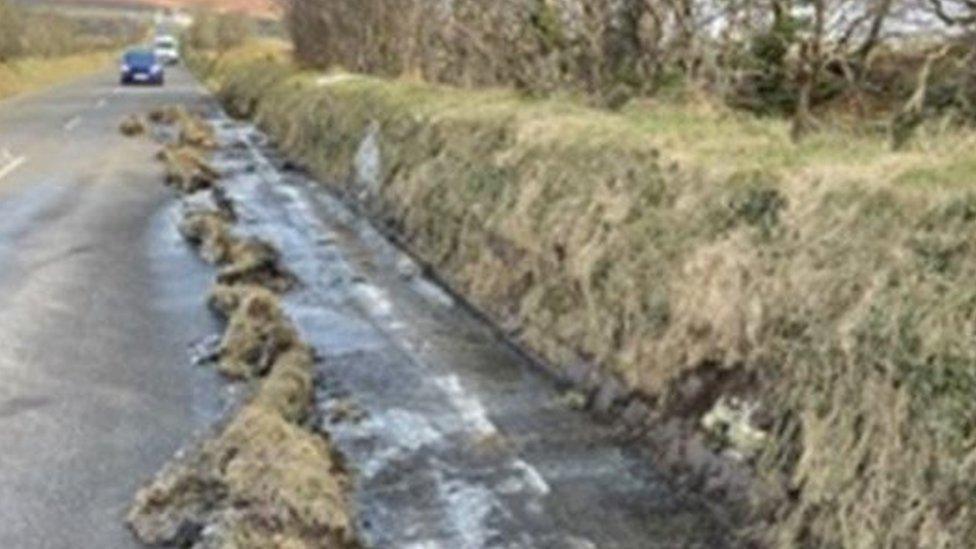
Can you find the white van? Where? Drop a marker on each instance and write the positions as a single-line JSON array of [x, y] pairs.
[[167, 50]]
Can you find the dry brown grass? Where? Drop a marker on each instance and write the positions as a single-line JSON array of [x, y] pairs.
[[31, 74], [186, 156], [186, 169], [210, 232], [266, 479], [257, 334], [253, 262], [263, 482], [132, 126]]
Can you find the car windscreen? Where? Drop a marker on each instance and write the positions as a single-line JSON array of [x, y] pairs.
[[140, 58], [165, 43]]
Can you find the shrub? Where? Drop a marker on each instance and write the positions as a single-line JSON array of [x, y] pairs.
[[219, 31], [11, 27]]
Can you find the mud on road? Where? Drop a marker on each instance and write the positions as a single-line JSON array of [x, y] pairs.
[[448, 435]]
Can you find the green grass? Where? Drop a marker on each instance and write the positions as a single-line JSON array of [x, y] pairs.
[[704, 137]]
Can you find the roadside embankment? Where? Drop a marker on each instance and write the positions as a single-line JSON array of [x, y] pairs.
[[25, 75], [807, 312]]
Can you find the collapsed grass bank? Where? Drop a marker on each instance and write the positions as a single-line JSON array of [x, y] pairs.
[[821, 295], [26, 75], [266, 477]]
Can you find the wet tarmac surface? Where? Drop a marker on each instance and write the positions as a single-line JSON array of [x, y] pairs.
[[454, 438], [100, 301]]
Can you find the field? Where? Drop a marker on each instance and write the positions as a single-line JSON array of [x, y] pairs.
[[26, 75]]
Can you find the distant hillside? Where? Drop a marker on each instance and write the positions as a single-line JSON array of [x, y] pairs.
[[265, 8]]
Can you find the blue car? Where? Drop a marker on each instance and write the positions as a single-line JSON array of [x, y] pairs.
[[142, 67]]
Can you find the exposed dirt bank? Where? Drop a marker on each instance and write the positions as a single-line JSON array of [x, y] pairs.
[[265, 479], [818, 333]]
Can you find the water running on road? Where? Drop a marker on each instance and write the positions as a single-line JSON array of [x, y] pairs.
[[455, 439]]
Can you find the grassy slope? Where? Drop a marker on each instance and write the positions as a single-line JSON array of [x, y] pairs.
[[31, 74], [693, 251]]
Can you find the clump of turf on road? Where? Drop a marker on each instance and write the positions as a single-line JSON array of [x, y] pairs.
[[257, 334], [191, 129], [256, 262], [132, 126], [166, 115], [265, 479], [242, 261], [263, 482], [192, 139], [209, 231], [187, 170]]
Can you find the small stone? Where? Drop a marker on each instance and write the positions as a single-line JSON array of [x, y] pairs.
[[407, 267]]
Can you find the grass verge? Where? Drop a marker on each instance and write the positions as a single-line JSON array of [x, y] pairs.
[[809, 308], [31, 74]]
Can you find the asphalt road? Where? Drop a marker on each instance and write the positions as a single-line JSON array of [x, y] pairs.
[[99, 304]]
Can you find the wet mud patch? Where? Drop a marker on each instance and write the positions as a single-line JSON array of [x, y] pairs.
[[266, 477]]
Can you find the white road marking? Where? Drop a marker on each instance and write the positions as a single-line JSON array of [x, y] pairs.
[[72, 124], [11, 163]]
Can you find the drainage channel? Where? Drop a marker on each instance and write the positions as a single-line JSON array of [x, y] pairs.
[[453, 438]]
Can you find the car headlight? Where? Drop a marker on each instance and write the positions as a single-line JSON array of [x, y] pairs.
[[125, 68], [156, 68]]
